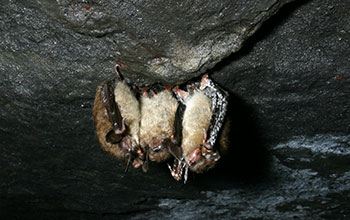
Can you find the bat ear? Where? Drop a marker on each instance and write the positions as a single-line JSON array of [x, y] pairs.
[[113, 137]]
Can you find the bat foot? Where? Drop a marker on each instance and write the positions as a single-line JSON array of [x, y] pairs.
[[204, 82], [145, 91], [177, 169], [210, 153], [117, 71], [181, 94], [195, 156], [137, 163]]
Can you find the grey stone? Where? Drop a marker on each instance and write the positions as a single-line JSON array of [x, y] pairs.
[[168, 41], [295, 72]]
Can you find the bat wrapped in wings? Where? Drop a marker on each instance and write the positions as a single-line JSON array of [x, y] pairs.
[[117, 119], [202, 121]]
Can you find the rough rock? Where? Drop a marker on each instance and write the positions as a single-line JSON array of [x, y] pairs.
[[167, 41], [289, 87], [295, 72]]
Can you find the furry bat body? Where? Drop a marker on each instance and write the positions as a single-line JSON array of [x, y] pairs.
[[117, 119], [157, 123], [206, 105], [196, 121], [103, 125], [130, 110]]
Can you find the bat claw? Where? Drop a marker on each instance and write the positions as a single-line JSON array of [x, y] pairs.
[[181, 94], [119, 130], [186, 174], [117, 71], [172, 171], [177, 170], [209, 153], [195, 156], [213, 156], [152, 93], [145, 91]]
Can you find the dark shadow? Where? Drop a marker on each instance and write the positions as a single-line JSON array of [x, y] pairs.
[[247, 159]]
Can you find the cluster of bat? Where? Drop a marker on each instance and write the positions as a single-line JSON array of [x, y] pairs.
[[159, 122]]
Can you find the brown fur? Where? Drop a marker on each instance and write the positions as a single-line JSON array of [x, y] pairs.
[[129, 109], [196, 119], [157, 122], [205, 164], [103, 126], [195, 122]]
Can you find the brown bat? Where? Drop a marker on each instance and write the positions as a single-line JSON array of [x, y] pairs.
[[117, 119], [157, 130], [203, 117]]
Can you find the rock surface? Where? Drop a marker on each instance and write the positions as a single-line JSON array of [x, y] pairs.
[[295, 72], [168, 41], [290, 85]]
